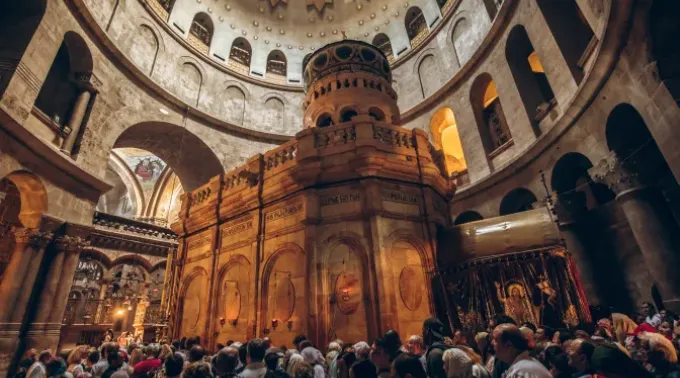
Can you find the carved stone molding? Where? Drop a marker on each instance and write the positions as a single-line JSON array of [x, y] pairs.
[[33, 237], [72, 244], [611, 172]]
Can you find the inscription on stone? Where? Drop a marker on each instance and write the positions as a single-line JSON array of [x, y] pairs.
[[199, 240], [238, 228], [283, 212], [401, 197], [339, 199]]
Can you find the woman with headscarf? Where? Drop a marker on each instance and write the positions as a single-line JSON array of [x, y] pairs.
[[315, 358], [458, 364]]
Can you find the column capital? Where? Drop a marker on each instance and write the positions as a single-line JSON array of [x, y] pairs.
[[611, 172], [73, 244]]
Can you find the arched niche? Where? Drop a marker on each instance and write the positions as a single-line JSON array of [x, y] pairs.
[[467, 217], [143, 49], [571, 32], [491, 122], [324, 120], [532, 83], [428, 75], [240, 55], [517, 201], [234, 105], [284, 287], [18, 22], [233, 299], [347, 114], [415, 25], [277, 64], [67, 78], [573, 185], [461, 37], [382, 41], [193, 304], [189, 157], [202, 30], [273, 115], [445, 136]]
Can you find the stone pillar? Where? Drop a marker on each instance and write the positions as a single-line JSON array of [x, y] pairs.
[[653, 225], [16, 289], [45, 329], [76, 121]]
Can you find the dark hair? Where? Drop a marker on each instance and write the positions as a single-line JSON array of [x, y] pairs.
[[503, 319], [267, 342], [304, 344], [196, 340], [174, 364], [549, 332], [94, 357], [199, 370], [109, 349], [196, 353], [364, 369], [529, 325], [652, 308], [175, 343], [407, 363], [219, 346], [348, 357], [587, 348], [549, 354], [298, 339], [226, 361], [243, 352], [565, 335], [304, 370], [229, 342], [183, 343], [56, 366], [256, 349], [392, 343], [515, 337], [271, 359]]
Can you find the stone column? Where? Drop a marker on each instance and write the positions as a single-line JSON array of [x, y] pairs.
[[653, 225], [45, 329], [16, 289], [76, 121]]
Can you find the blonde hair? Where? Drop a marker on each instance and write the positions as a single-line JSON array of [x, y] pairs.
[[456, 362], [658, 342], [165, 351], [77, 355]]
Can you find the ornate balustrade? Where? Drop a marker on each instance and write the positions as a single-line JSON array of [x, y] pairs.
[[90, 312], [393, 136], [138, 227], [281, 156], [154, 313], [333, 136]]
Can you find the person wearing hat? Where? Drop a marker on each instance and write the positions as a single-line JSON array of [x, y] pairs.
[[612, 362], [433, 338]]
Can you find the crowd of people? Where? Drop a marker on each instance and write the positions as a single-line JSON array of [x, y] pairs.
[[618, 347]]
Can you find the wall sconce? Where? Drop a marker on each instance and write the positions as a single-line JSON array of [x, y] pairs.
[[233, 322], [222, 321], [345, 294], [290, 325], [275, 323]]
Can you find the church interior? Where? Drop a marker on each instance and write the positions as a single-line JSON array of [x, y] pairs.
[[233, 169]]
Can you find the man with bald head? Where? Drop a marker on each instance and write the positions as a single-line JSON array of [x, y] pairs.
[[512, 348], [226, 361], [580, 352]]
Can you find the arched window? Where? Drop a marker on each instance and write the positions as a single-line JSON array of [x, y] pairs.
[[517, 201], [240, 55], [66, 88], [416, 27], [324, 120], [382, 41], [347, 114], [201, 32], [530, 78], [491, 122], [277, 67], [576, 191], [467, 217], [18, 22], [377, 114], [445, 135], [572, 33]]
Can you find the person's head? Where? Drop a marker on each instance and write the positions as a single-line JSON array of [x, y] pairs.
[[580, 353], [136, 357], [529, 336], [77, 355], [226, 360], [362, 350], [271, 359], [45, 356], [345, 360], [392, 343], [267, 342], [483, 342], [666, 329], [499, 319], [196, 340], [174, 364], [229, 342], [197, 370], [529, 325], [165, 351], [558, 362], [196, 353], [116, 359], [152, 351], [363, 369], [183, 343], [433, 331], [93, 357], [562, 337], [660, 351], [334, 347], [256, 350], [303, 370], [611, 361], [175, 343], [648, 309], [408, 365], [508, 342], [414, 345], [109, 348], [305, 344], [297, 340], [581, 334], [55, 367], [379, 353]]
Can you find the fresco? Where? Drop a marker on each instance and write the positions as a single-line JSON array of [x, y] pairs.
[[146, 167]]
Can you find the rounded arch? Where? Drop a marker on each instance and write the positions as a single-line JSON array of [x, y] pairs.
[[277, 63], [133, 259], [235, 83], [241, 52], [190, 158], [467, 217], [517, 201], [80, 57], [377, 113], [415, 23], [324, 120], [382, 41], [98, 256], [191, 306], [163, 264], [202, 27], [573, 185], [347, 113], [445, 135], [459, 33], [32, 197], [233, 261], [18, 22], [489, 115]]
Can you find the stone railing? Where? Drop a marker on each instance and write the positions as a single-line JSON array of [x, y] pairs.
[[335, 135], [117, 223], [238, 67], [420, 37], [199, 45], [393, 136], [281, 156]]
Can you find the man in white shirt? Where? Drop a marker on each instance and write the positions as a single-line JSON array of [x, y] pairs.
[[38, 369], [512, 348], [651, 316]]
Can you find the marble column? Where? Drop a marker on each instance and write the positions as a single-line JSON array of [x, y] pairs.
[[45, 329], [16, 288], [76, 121], [653, 225]]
